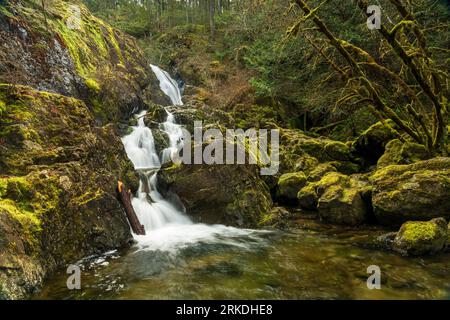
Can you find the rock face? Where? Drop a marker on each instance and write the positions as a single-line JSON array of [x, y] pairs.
[[421, 237], [90, 61], [58, 175], [227, 194], [418, 191]]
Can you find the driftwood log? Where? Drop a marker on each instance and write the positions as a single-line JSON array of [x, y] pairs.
[[125, 198]]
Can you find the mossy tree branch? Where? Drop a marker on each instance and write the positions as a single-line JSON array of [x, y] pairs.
[[430, 132]]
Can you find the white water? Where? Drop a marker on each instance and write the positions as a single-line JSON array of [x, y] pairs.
[[167, 228], [168, 85]]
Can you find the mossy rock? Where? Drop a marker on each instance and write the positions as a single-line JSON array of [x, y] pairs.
[[92, 62], [339, 199], [322, 169], [277, 218], [62, 166], [418, 238], [337, 150], [370, 145], [418, 191], [397, 152], [289, 185], [342, 199], [307, 197]]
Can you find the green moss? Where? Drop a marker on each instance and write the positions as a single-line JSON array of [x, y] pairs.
[[289, 184], [2, 108], [93, 85], [419, 230], [20, 214], [88, 197]]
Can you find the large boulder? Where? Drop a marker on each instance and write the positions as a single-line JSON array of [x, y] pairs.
[[421, 237], [58, 178], [289, 184], [418, 191], [226, 194], [339, 199]]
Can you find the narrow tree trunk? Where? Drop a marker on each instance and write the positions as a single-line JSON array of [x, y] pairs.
[[212, 23], [125, 198]]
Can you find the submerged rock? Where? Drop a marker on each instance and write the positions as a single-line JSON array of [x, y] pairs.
[[421, 237], [418, 191]]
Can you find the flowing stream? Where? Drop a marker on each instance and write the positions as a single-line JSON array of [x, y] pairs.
[[179, 259], [168, 229]]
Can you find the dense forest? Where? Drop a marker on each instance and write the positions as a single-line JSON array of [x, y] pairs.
[[96, 97]]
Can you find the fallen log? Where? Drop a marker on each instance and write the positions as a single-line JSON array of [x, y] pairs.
[[125, 198]]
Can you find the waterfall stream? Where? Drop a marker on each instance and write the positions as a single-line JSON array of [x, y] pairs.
[[167, 227], [179, 259]]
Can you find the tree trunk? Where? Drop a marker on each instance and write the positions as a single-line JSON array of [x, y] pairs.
[[212, 23], [125, 198]]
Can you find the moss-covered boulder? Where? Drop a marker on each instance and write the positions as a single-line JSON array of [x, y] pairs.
[[370, 145], [58, 178], [300, 152], [421, 237], [339, 199], [419, 191], [289, 184], [322, 169], [342, 199], [307, 197], [232, 194], [397, 152]]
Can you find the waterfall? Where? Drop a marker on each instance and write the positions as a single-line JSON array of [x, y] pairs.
[[168, 85], [167, 228]]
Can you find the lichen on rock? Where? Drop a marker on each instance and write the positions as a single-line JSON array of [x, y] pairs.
[[421, 237]]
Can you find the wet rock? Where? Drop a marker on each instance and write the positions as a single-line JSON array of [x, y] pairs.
[[277, 218], [58, 198], [421, 237], [289, 184], [386, 241], [232, 194], [418, 191]]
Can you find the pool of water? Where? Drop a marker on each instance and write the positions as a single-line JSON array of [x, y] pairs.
[[302, 263]]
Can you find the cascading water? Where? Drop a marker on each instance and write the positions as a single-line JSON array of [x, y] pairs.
[[167, 228]]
